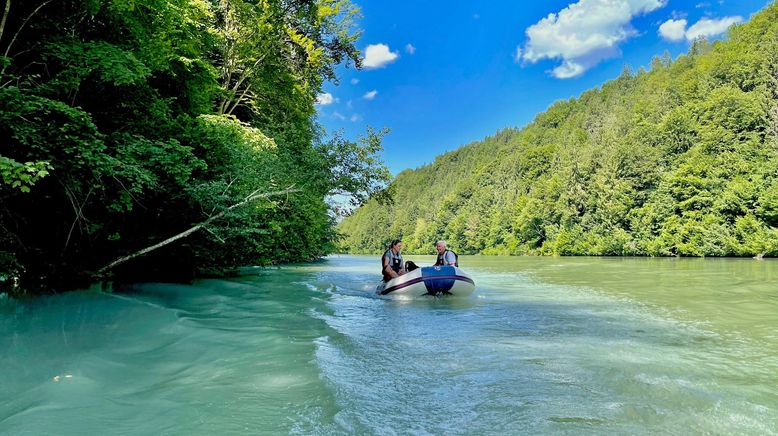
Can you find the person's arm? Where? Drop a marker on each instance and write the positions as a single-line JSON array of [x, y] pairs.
[[450, 258]]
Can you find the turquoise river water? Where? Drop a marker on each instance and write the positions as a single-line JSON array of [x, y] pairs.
[[543, 346]]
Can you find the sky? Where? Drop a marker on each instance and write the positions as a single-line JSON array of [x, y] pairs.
[[441, 74]]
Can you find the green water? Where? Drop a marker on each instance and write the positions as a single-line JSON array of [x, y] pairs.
[[543, 346]]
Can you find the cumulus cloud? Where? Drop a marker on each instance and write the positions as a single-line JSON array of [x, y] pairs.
[[584, 33], [324, 99], [710, 27], [370, 95], [410, 49], [675, 30], [570, 69], [378, 55]]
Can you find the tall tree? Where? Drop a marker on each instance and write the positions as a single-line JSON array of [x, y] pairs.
[[129, 121]]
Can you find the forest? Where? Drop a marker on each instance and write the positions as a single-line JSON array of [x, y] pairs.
[[679, 159], [126, 122]]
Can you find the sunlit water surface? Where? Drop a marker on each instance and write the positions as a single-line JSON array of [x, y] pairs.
[[544, 345]]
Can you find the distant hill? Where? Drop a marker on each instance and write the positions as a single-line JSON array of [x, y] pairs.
[[679, 160]]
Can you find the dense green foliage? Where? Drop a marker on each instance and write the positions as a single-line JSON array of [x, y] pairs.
[[681, 160], [125, 122]]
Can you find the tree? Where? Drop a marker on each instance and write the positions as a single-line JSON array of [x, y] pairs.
[[128, 121], [680, 160]]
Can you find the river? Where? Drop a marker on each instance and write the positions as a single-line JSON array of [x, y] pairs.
[[543, 346]]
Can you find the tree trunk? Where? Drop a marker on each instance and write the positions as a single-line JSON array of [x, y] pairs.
[[252, 197]]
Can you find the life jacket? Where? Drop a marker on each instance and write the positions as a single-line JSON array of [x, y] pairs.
[[395, 262], [442, 257]]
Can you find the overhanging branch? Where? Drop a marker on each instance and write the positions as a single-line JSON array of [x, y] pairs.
[[254, 196]]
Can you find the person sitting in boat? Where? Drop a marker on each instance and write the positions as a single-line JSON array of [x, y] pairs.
[[392, 261], [446, 256]]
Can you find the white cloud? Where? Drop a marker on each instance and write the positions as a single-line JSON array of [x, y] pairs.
[[673, 30], [569, 69], [584, 33], [517, 55], [378, 55], [354, 118], [707, 27], [370, 95], [324, 99], [338, 116], [354, 81], [410, 49]]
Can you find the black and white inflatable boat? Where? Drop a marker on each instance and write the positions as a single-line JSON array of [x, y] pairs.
[[429, 280]]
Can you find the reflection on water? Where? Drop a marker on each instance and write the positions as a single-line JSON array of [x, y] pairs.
[[545, 345]]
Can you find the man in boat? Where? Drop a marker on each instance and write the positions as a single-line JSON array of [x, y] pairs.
[[392, 261], [445, 256]]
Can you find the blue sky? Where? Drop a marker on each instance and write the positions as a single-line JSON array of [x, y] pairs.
[[441, 74]]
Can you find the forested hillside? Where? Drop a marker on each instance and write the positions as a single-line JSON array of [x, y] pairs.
[[678, 160], [126, 122]]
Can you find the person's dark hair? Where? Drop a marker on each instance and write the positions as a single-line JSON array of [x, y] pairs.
[[394, 242]]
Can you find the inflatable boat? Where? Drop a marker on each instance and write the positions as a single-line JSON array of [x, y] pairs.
[[429, 280]]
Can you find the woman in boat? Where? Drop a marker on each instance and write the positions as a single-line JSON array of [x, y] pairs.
[[392, 261]]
